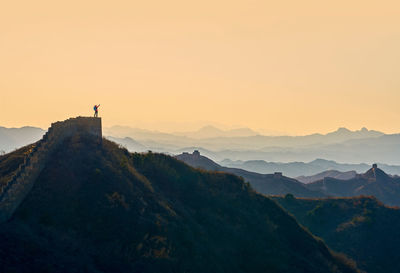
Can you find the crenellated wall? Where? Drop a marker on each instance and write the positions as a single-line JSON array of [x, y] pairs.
[[12, 194]]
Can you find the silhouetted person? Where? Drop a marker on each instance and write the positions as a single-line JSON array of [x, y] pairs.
[[96, 110]]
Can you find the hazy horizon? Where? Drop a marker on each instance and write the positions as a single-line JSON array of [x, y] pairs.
[[193, 127]]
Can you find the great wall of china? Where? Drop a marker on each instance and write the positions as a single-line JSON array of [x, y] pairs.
[[18, 187]]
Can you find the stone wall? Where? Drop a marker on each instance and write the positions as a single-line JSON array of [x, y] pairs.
[[22, 182]]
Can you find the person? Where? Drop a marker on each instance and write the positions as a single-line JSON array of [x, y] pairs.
[[96, 110]]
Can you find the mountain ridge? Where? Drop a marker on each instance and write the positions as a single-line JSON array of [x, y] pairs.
[[269, 184], [374, 182], [330, 173], [98, 208], [295, 169]]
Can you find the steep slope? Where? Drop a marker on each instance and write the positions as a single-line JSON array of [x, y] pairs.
[[270, 184], [361, 227], [374, 182], [98, 208]]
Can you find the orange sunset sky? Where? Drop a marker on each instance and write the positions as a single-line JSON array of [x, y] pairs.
[[296, 67]]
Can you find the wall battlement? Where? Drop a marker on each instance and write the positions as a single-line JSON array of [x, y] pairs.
[[22, 182], [86, 125]]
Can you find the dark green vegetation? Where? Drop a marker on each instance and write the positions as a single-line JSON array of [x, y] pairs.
[[268, 184], [363, 228], [98, 208], [374, 182]]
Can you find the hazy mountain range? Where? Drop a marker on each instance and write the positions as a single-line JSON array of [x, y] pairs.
[[373, 182], [241, 139], [233, 147], [363, 146], [296, 169], [331, 173], [269, 184]]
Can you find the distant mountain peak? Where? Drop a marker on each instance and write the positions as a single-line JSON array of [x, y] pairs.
[[343, 130], [376, 173], [210, 131], [321, 160], [210, 127], [343, 134]]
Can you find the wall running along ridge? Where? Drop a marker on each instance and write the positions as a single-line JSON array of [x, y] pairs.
[[18, 187]]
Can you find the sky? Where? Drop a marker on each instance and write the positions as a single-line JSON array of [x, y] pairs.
[[296, 67]]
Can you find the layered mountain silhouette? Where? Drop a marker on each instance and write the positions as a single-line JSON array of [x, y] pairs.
[[374, 182], [95, 207], [245, 144], [342, 145], [296, 169], [331, 173], [129, 144], [361, 227], [269, 184]]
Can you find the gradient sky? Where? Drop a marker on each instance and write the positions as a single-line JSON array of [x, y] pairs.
[[288, 66]]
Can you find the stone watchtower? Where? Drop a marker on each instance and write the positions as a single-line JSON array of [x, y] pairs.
[[72, 126]]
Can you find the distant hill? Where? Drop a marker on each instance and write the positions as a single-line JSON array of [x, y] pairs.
[[98, 208], [129, 143], [374, 182], [269, 184], [361, 227], [382, 149], [12, 138], [344, 134], [214, 132], [212, 138], [295, 169], [330, 173]]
